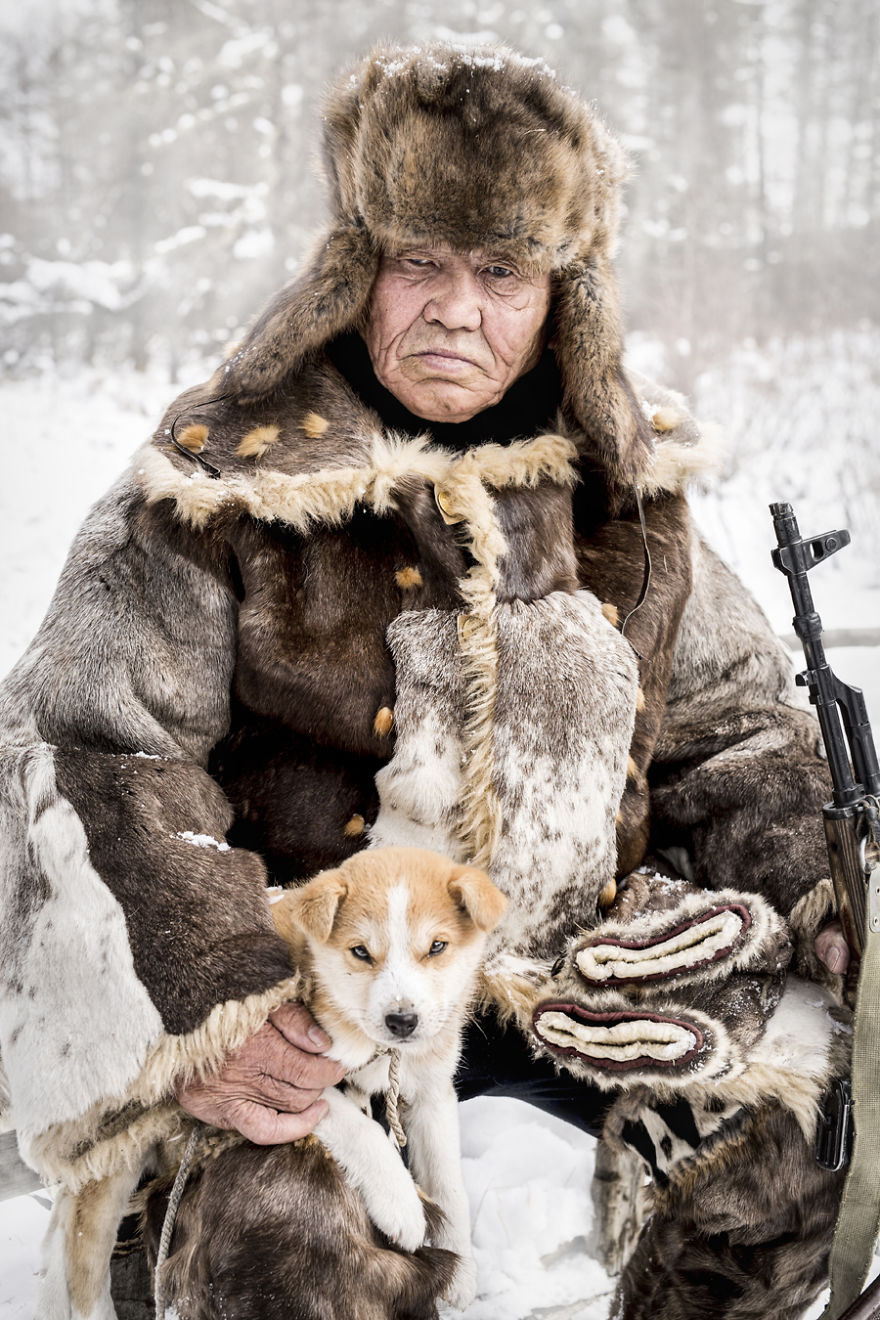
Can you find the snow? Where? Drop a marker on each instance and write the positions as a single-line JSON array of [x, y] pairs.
[[202, 840], [23, 1222], [528, 1175]]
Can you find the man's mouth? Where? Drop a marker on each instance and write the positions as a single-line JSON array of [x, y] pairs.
[[443, 358]]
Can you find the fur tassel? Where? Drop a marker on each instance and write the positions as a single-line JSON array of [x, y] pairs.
[[598, 395]]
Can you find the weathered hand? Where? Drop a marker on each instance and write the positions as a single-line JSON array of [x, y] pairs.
[[831, 948], [269, 1090]]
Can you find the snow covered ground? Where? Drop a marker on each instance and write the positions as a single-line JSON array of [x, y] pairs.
[[528, 1175]]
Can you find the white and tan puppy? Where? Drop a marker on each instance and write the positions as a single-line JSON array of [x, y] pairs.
[[390, 944]]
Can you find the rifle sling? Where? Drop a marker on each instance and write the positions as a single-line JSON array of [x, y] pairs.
[[858, 1222]]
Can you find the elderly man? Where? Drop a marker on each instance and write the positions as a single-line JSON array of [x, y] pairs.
[[432, 424]]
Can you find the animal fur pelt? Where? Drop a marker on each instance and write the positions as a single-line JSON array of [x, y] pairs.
[[227, 1247], [749, 1222], [738, 1209]]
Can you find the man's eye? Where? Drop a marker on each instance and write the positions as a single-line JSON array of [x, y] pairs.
[[361, 951], [417, 261], [437, 947], [500, 272]]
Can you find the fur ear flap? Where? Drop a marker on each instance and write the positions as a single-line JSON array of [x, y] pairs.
[[327, 299], [313, 908], [588, 347], [481, 899]]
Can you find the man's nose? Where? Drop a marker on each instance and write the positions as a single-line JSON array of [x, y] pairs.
[[456, 301]]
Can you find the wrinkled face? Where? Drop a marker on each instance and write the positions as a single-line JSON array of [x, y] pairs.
[[449, 332]]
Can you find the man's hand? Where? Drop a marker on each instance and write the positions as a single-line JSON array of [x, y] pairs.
[[832, 949], [269, 1090]]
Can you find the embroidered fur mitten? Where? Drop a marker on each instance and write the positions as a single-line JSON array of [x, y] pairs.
[[676, 985]]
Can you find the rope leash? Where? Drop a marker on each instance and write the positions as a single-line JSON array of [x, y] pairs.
[[392, 1099], [171, 1214]]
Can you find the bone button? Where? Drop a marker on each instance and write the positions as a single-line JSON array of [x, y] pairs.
[[383, 721], [354, 827], [446, 506], [608, 894]]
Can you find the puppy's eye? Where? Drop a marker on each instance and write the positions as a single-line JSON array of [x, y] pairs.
[[437, 947], [361, 951]]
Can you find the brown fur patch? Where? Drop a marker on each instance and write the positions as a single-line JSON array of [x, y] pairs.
[[665, 419], [193, 890], [314, 426], [611, 563], [354, 827], [408, 578], [258, 441], [249, 1240], [743, 1233], [193, 437], [384, 722], [608, 894], [612, 614]]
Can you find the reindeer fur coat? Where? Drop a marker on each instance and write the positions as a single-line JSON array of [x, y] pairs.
[[288, 632]]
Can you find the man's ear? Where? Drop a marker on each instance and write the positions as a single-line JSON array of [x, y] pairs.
[[478, 896], [312, 908]]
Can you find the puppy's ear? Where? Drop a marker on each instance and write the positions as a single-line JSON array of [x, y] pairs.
[[313, 908], [481, 899]]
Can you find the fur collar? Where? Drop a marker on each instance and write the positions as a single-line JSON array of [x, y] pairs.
[[307, 465]]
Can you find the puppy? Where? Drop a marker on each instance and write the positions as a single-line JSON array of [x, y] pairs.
[[389, 945]]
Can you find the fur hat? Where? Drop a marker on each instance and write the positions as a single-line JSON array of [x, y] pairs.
[[481, 149]]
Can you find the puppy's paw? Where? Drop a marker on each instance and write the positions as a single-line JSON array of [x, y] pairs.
[[396, 1210], [463, 1288]]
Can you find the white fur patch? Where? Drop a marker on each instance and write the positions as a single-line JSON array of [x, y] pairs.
[[67, 943], [420, 787], [622, 1042], [697, 943], [799, 1034]]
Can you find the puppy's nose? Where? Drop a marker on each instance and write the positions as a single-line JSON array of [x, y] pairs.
[[401, 1024]]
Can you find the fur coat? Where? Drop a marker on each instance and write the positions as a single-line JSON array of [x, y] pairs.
[[289, 632], [219, 664]]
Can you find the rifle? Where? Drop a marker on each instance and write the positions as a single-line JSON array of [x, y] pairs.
[[851, 818], [852, 833]]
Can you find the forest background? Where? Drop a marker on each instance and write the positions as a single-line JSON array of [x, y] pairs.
[[158, 180]]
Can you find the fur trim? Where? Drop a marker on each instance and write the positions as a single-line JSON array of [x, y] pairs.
[[817, 907], [325, 301], [328, 495], [680, 463], [99, 1144]]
